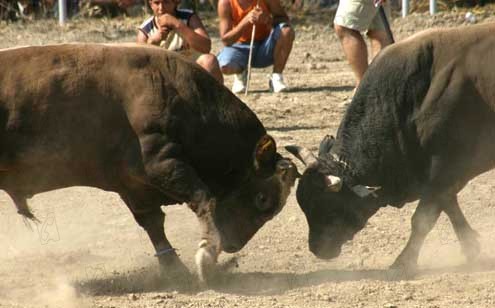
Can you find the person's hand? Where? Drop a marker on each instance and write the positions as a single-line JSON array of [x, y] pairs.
[[168, 21], [257, 16], [158, 36]]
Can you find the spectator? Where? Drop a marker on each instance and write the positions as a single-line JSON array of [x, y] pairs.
[[179, 30], [352, 18], [273, 39]]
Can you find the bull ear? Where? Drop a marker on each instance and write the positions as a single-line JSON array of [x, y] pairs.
[[285, 166], [364, 191], [303, 154], [265, 153], [334, 183]]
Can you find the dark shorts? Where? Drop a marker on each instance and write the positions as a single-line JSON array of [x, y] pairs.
[[237, 55]]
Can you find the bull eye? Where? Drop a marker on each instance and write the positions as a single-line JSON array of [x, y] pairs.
[[262, 202]]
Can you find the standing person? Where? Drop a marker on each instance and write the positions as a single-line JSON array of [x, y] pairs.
[[352, 18], [272, 40], [179, 30]]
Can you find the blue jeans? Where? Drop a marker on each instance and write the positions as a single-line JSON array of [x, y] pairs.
[[237, 54]]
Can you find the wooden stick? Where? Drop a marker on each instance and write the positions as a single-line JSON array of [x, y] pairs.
[[250, 55]]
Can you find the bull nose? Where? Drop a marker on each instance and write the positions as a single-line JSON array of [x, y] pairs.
[[324, 249], [231, 248]]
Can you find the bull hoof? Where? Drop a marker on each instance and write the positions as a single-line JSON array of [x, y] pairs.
[[471, 247], [206, 260], [172, 268], [404, 268]]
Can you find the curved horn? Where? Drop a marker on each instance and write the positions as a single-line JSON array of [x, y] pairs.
[[303, 154]]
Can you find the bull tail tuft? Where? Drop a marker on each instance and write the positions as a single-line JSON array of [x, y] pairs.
[[28, 214]]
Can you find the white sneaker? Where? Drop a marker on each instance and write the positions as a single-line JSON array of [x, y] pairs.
[[239, 84], [277, 83]]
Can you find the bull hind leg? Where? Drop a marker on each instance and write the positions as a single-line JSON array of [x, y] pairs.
[[466, 235]]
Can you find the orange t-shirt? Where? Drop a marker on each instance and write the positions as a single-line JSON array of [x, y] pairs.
[[262, 30]]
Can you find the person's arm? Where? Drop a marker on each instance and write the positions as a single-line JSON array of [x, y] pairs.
[[141, 37], [278, 13], [195, 34], [230, 34]]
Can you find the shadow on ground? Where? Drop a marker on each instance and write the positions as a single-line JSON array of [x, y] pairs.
[[308, 89], [256, 283]]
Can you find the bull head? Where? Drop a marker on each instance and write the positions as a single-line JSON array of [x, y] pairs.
[[260, 198], [334, 211]]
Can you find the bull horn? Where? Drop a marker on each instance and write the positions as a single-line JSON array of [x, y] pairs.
[[303, 154], [334, 183]]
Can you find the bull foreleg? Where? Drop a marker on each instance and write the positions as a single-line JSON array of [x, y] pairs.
[[466, 235], [180, 181], [210, 244], [423, 220], [151, 220]]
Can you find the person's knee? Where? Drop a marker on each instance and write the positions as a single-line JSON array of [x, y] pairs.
[[208, 61], [288, 34], [379, 36], [342, 32]]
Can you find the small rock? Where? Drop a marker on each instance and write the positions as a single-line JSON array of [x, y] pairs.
[[312, 66], [133, 297], [390, 306]]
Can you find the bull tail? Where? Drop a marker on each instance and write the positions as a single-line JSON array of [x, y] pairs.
[[26, 212], [22, 207]]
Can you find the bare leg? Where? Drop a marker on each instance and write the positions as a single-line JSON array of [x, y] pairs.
[[210, 63], [423, 220], [229, 70], [378, 40], [466, 235], [282, 49], [355, 50]]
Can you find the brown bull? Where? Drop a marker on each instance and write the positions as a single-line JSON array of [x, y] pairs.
[[146, 124]]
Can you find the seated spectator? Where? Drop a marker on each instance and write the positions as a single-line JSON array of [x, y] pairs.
[[179, 30], [272, 40]]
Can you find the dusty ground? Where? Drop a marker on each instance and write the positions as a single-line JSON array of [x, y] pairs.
[[88, 251]]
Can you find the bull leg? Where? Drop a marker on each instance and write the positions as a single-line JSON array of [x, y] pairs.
[[423, 220], [152, 221], [210, 245], [466, 235], [180, 181]]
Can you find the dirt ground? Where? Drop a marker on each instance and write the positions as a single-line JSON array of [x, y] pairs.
[[88, 251]]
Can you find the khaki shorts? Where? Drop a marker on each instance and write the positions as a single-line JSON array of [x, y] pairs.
[[360, 15]]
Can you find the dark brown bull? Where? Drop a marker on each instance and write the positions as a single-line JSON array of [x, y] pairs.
[[146, 124], [421, 126]]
